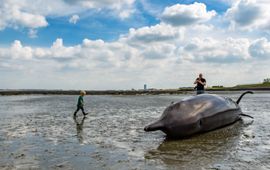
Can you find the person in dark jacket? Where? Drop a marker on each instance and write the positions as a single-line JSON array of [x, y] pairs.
[[200, 83]]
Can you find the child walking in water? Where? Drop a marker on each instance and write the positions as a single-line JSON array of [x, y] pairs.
[[80, 103]]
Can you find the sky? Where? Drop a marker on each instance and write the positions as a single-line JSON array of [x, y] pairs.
[[124, 44]]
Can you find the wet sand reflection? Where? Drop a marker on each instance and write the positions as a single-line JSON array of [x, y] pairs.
[[79, 127], [210, 146]]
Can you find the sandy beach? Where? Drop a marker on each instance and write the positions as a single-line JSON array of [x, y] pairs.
[[39, 132]]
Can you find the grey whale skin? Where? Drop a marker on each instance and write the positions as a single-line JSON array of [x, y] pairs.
[[197, 114]]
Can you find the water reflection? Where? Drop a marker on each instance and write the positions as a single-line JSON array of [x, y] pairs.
[[201, 150], [79, 127]]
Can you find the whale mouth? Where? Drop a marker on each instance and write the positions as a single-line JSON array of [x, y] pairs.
[[154, 126], [146, 128]]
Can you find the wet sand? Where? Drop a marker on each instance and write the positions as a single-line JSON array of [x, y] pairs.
[[39, 132]]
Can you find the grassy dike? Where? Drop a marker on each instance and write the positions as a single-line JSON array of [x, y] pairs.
[[254, 87], [259, 86]]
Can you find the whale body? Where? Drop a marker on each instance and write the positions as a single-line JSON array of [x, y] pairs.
[[197, 114]]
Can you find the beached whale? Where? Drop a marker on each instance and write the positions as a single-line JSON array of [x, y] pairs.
[[197, 114]]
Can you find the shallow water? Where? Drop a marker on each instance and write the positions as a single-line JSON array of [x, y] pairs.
[[39, 132]]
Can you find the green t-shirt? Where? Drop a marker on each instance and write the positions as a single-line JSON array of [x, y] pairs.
[[80, 101]]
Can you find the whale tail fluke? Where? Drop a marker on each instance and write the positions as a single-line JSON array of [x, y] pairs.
[[154, 126], [239, 99]]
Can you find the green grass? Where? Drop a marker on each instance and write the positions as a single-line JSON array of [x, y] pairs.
[[259, 85]]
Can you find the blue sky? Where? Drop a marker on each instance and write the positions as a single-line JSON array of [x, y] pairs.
[[106, 44], [97, 24]]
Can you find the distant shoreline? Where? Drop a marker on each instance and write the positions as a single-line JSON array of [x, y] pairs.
[[124, 92]]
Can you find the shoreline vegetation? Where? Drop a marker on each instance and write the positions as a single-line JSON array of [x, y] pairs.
[[181, 90]]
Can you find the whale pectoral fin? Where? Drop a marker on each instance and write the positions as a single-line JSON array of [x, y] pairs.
[[242, 114]]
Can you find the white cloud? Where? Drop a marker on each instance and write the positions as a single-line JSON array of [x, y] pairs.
[[102, 3], [260, 48], [126, 13], [153, 34], [28, 20], [74, 19], [220, 51], [124, 8], [32, 14], [152, 8], [59, 51], [118, 63], [17, 51], [32, 33], [228, 1], [180, 15], [161, 43], [13, 15], [249, 14]]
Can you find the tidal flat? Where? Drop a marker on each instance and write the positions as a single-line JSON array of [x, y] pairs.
[[39, 132]]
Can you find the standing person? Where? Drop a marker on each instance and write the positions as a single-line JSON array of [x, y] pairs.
[[80, 103], [201, 82]]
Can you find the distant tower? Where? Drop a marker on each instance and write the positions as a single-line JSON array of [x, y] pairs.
[[145, 87]]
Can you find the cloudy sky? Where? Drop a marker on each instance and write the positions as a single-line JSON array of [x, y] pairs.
[[123, 44]]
